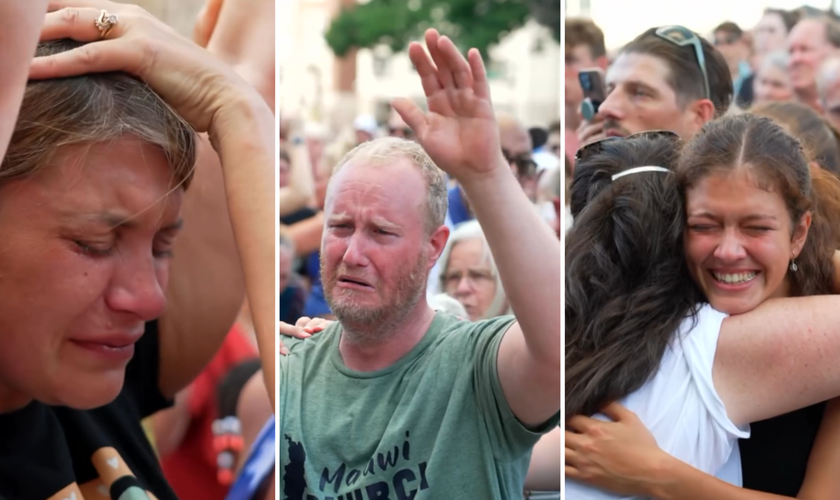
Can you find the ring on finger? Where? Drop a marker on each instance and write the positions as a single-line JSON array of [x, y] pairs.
[[105, 22]]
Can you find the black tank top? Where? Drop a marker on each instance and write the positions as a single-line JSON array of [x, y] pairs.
[[774, 458]]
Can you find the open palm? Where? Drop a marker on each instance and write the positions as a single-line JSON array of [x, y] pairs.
[[459, 132]]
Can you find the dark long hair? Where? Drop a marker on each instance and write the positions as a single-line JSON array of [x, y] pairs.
[[627, 284]]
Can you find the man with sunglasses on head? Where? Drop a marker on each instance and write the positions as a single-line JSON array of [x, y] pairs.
[[668, 78]]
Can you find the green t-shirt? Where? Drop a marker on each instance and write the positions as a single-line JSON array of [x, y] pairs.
[[435, 425]]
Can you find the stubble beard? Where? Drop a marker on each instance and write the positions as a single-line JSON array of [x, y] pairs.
[[367, 325]]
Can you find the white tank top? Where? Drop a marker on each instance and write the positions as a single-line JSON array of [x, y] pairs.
[[681, 408]]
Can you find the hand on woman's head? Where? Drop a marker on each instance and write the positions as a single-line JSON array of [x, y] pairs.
[[199, 86]]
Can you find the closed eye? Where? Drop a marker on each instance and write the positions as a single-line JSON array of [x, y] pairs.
[[93, 250]]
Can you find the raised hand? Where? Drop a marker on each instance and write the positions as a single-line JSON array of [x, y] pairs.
[[459, 132]]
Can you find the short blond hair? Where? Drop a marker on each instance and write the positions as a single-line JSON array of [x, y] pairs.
[[386, 149]]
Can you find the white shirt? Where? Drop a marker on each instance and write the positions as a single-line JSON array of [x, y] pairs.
[[681, 408]]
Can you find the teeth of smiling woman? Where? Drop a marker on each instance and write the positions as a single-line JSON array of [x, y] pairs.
[[734, 278]]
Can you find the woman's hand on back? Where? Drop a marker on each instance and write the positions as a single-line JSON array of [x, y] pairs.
[[303, 328], [621, 456], [195, 83]]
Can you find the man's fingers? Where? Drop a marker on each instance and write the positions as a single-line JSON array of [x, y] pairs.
[[425, 68], [481, 87], [591, 133], [302, 321], [412, 115], [444, 73], [461, 71]]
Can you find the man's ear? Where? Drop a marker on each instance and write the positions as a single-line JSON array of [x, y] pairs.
[[437, 242], [702, 112]]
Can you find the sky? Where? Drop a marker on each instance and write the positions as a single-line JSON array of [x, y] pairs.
[[622, 20]]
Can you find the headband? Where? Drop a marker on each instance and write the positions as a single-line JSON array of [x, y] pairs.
[[636, 170]]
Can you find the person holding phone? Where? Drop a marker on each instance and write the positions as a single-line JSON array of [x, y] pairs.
[[668, 78], [584, 49]]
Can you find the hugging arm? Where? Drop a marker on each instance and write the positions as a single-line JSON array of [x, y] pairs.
[[775, 359], [622, 456], [779, 357]]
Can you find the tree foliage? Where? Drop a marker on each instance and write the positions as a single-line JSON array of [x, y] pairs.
[[470, 23], [548, 13]]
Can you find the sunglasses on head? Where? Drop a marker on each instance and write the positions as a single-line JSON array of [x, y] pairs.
[[596, 147], [681, 36]]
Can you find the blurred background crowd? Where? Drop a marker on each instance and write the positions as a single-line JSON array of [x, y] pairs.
[[776, 52]]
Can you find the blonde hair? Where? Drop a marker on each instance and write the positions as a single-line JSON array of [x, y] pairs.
[[387, 149], [91, 109]]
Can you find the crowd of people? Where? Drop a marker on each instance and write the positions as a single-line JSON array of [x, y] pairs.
[[702, 262], [420, 257]]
